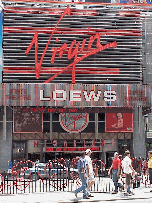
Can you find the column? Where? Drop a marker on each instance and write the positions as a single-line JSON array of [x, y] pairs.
[[96, 125], [139, 148], [51, 126]]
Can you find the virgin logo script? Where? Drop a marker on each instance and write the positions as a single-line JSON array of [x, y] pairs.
[[74, 122], [75, 49]]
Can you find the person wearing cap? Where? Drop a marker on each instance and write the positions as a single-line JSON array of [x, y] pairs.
[[127, 169], [83, 177], [116, 166], [90, 172]]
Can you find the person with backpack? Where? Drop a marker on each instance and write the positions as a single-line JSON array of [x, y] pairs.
[[83, 177]]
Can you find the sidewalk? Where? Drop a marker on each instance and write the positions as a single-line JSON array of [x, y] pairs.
[[69, 197]]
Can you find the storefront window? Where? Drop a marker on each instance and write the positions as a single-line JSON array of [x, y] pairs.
[[101, 116], [46, 127], [46, 116], [101, 127]]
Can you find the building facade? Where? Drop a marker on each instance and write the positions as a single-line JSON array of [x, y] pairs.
[[75, 76]]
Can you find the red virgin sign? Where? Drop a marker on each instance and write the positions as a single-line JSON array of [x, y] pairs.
[[75, 49], [74, 122]]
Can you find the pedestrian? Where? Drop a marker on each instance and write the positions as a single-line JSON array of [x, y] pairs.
[[116, 166], [149, 170], [128, 169], [144, 166], [90, 172], [83, 177]]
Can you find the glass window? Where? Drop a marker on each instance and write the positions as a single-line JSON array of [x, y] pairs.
[[92, 117], [46, 127], [9, 113], [1, 113], [101, 116], [46, 116], [90, 127], [55, 116], [57, 127], [101, 127]]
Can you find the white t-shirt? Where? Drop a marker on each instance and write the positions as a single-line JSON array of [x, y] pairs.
[[125, 164], [89, 162]]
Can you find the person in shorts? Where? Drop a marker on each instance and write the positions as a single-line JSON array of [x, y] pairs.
[[90, 172], [127, 169]]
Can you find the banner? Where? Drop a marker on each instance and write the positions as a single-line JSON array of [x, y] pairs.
[[119, 122], [78, 95]]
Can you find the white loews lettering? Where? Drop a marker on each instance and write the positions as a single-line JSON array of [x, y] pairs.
[[92, 93], [110, 95], [42, 96], [63, 98], [75, 95]]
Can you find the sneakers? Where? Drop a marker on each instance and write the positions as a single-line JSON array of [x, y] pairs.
[[90, 196], [75, 194], [86, 197], [129, 194], [114, 192]]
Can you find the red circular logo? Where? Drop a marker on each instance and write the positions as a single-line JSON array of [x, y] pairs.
[[74, 122]]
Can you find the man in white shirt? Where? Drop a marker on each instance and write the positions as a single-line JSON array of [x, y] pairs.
[[127, 169], [90, 172]]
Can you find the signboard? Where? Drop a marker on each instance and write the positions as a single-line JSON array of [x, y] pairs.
[[118, 122], [95, 45], [74, 122], [70, 149], [78, 95], [136, 1], [26, 122]]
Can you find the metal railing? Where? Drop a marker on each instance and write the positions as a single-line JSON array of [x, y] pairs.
[[58, 176]]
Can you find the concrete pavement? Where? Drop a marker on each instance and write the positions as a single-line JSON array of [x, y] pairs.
[[69, 197]]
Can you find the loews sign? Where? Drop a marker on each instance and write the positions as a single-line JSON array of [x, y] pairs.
[[78, 95]]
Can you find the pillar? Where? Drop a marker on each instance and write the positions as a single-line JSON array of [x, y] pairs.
[[139, 147]]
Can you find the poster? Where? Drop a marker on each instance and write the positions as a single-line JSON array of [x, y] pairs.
[[119, 122]]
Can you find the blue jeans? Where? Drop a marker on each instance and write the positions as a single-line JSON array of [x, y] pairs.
[[115, 180], [84, 185], [128, 189]]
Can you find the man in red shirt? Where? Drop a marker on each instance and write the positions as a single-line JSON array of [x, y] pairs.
[[116, 166]]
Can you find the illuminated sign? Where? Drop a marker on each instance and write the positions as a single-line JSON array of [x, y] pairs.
[[75, 95], [26, 122], [136, 1], [73, 51], [70, 149], [119, 122], [77, 46], [74, 122], [78, 95]]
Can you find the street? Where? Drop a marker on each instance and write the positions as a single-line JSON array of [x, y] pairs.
[[142, 195]]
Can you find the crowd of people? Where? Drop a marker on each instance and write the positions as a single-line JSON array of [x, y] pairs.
[[118, 168]]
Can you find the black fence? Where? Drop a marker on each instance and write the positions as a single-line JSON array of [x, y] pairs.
[[58, 175]]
